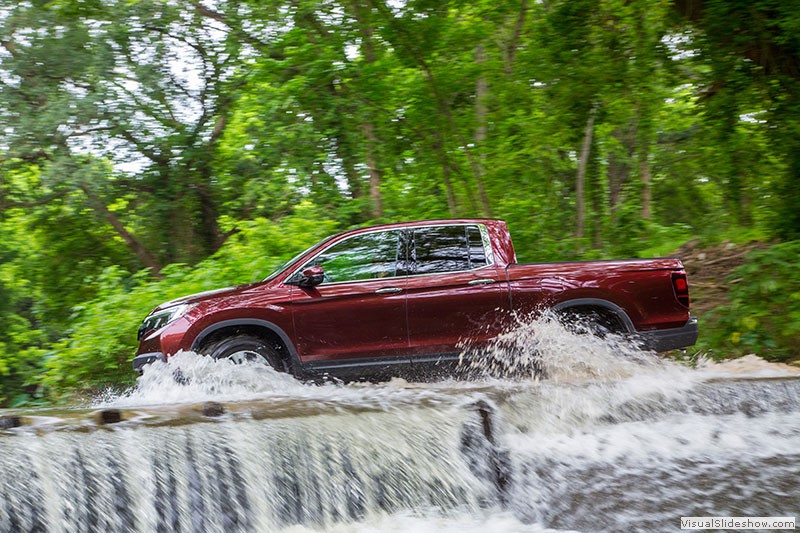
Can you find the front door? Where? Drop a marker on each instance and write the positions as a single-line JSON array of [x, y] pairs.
[[359, 310]]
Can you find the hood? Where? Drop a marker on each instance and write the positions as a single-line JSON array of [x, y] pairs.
[[206, 295]]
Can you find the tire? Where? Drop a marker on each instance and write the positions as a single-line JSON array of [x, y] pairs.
[[588, 323], [241, 348]]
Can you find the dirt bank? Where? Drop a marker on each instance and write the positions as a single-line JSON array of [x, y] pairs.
[[708, 270]]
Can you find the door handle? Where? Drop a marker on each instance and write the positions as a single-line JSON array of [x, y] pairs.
[[389, 290], [484, 281]]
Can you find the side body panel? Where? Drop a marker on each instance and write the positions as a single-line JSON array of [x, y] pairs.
[[447, 309], [267, 303], [350, 320], [641, 287]]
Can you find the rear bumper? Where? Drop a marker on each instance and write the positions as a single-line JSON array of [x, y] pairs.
[[145, 359], [663, 340]]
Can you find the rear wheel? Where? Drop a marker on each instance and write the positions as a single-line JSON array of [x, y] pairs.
[[590, 322], [242, 348]]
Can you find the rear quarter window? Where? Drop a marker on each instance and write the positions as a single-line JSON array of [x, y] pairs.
[[442, 249]]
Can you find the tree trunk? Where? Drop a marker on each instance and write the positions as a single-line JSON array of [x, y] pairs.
[[619, 165], [481, 119], [375, 174], [647, 179], [438, 146], [209, 222], [142, 253], [513, 42], [209, 214], [374, 171], [580, 201]]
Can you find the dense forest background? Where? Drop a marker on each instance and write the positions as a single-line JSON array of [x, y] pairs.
[[153, 148]]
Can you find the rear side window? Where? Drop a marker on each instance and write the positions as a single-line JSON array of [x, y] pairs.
[[447, 249]]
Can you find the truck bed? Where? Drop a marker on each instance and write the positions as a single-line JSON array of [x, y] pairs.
[[641, 288]]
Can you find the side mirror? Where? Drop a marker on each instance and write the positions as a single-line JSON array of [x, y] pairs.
[[312, 276]]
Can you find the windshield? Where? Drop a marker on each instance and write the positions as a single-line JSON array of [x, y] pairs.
[[295, 259]]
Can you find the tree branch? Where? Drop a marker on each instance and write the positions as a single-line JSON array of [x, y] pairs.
[[257, 43], [513, 43], [88, 131], [150, 154], [5, 205], [10, 47], [142, 253]]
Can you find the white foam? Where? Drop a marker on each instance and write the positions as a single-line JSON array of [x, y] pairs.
[[191, 378], [748, 366], [431, 522], [675, 437]]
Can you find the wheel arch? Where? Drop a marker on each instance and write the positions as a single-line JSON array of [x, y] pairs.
[[261, 328], [605, 307]]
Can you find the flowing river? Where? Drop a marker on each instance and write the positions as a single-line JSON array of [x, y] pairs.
[[612, 440]]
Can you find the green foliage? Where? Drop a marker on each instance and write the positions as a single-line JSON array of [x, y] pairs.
[[764, 314], [20, 361], [98, 350], [176, 136]]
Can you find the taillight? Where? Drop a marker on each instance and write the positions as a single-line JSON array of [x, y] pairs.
[[681, 286]]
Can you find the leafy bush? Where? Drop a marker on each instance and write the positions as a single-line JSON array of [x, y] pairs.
[[20, 360], [98, 350], [764, 314]]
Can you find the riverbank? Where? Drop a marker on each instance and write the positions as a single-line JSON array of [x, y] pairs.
[[747, 299]]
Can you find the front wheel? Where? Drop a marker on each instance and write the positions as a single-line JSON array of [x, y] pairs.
[[244, 348]]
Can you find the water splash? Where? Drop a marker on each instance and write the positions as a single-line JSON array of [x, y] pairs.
[[540, 357], [546, 347], [190, 377], [511, 360]]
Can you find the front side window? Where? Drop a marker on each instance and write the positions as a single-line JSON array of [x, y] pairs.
[[447, 249], [293, 260], [361, 257]]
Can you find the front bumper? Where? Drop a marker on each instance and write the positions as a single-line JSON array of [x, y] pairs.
[[145, 359], [663, 340]]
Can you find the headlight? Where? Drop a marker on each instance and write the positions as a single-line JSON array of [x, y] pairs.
[[161, 318]]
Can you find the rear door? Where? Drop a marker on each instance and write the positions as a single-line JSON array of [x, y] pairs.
[[455, 291], [359, 310]]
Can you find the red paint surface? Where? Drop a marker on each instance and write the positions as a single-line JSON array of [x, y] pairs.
[[430, 313]]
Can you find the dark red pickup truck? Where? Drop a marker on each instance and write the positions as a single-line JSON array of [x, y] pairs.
[[382, 300]]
